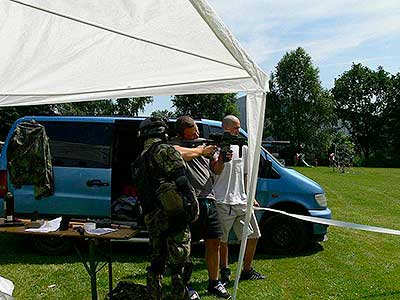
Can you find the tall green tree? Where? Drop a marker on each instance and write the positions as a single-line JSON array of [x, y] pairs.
[[298, 108], [391, 116], [361, 97], [210, 106], [122, 106], [163, 114]]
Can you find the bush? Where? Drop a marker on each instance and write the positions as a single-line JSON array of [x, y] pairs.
[[376, 162]]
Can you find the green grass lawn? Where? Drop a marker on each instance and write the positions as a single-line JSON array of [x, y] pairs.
[[350, 265]]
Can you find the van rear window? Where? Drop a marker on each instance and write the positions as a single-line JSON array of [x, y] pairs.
[[80, 144]]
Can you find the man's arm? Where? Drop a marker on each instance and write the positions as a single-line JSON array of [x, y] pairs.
[[190, 153], [255, 203], [217, 165]]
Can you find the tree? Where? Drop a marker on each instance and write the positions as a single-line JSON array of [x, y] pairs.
[[125, 106], [210, 106], [122, 106], [298, 108], [361, 96], [343, 147], [131, 106], [392, 117], [9, 114], [163, 114]]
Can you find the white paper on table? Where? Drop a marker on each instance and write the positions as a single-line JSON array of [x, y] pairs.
[[48, 226], [100, 231]]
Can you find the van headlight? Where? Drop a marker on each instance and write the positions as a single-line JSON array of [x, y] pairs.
[[321, 200]]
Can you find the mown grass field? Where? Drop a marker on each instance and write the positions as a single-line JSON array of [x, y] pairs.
[[350, 265]]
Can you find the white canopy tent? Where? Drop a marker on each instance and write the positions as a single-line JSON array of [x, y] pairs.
[[57, 51]]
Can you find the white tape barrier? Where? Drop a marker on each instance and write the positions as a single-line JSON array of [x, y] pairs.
[[333, 222]]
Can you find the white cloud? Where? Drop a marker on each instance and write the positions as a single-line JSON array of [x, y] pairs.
[[350, 36], [324, 28]]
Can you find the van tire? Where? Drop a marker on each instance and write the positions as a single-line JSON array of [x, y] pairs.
[[52, 245], [281, 234]]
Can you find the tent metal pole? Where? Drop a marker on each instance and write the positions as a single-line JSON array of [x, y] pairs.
[[252, 185]]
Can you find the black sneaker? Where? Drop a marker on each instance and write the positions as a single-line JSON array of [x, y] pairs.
[[219, 290], [251, 275], [225, 275]]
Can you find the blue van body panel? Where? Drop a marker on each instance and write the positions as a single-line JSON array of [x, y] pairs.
[[303, 183], [72, 195], [77, 119]]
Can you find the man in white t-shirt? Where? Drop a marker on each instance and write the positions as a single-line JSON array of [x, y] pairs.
[[231, 203]]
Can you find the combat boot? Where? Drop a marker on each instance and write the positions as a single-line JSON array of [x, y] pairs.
[[179, 290], [154, 285]]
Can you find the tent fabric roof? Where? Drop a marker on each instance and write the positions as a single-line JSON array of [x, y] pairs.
[[56, 51]]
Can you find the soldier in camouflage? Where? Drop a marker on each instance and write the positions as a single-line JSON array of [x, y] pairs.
[[169, 206]]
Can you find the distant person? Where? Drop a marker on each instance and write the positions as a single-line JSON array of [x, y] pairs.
[[297, 159], [332, 160], [230, 193], [202, 165]]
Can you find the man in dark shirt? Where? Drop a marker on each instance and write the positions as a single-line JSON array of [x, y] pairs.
[[201, 166]]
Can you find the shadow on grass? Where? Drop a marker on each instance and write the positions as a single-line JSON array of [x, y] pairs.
[[20, 250], [312, 249], [386, 295], [16, 249], [197, 255]]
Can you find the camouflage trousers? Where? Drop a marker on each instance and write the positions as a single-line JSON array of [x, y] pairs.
[[168, 248]]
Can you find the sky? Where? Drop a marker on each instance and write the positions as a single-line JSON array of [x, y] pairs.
[[335, 33]]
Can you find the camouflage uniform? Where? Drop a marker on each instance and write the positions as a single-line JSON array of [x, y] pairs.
[[29, 159], [169, 237]]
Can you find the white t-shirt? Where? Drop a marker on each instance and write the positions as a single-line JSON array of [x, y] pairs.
[[229, 185]]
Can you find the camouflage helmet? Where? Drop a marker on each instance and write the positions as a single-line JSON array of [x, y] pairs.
[[153, 127]]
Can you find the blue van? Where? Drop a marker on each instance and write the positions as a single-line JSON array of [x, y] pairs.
[[91, 159]]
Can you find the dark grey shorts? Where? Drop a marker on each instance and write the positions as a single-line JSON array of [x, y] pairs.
[[208, 226]]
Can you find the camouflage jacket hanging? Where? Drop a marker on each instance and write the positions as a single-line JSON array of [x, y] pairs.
[[29, 159]]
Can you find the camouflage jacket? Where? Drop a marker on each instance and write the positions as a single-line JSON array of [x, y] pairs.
[[29, 159], [157, 163]]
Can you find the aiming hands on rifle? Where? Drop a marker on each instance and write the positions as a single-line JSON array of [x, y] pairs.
[[210, 150]]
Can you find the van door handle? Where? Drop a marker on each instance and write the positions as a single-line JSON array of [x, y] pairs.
[[96, 182]]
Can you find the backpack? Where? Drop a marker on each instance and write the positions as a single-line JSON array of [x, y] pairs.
[[158, 191]]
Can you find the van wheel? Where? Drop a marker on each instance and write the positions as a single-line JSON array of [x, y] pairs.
[[52, 245], [283, 235]]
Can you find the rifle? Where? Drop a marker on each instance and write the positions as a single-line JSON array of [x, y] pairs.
[[222, 141]]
